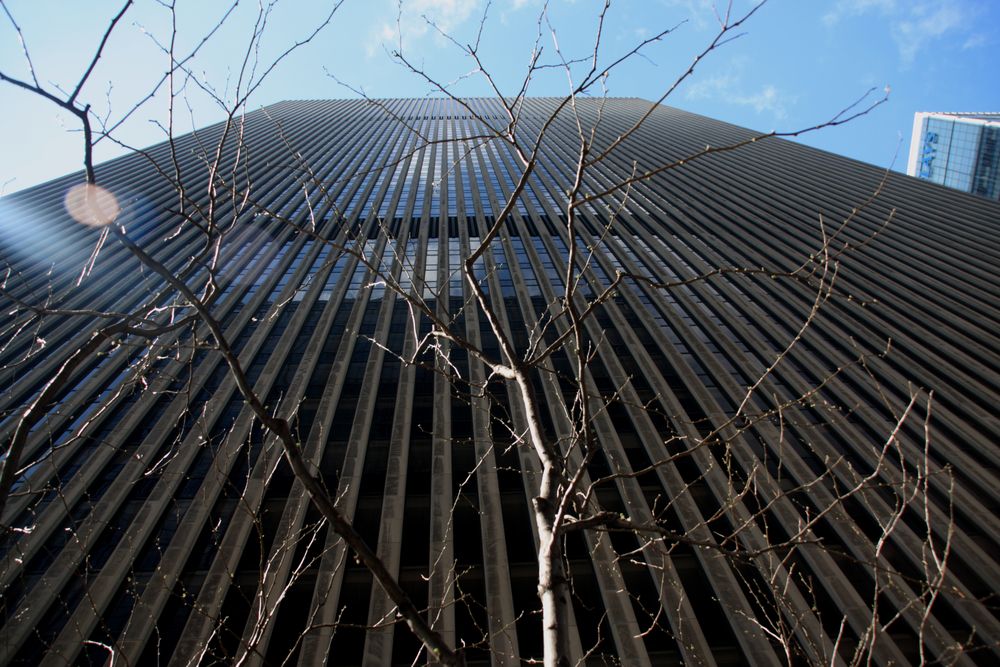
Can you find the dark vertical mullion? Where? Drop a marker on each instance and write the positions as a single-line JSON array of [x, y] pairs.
[[836, 387], [502, 615], [287, 290], [800, 162], [281, 559], [153, 601], [528, 462], [87, 616], [739, 186], [239, 529], [821, 563], [92, 469], [75, 329], [702, 357], [752, 262], [379, 639], [751, 186], [694, 386], [678, 610], [441, 538], [627, 485], [722, 577], [325, 606], [621, 618], [68, 492], [715, 199]]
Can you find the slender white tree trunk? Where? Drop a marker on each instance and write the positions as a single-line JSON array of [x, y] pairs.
[[553, 589], [553, 586]]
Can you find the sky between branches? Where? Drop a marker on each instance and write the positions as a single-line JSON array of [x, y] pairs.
[[798, 63]]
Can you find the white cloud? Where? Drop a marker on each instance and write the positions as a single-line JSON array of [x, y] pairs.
[[926, 22], [411, 20], [914, 24], [766, 99], [847, 8], [728, 88], [719, 85], [975, 41]]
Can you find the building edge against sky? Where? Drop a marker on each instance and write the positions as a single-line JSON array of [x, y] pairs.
[[159, 520], [958, 149]]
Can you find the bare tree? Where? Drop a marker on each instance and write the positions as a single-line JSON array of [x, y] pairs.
[[549, 387]]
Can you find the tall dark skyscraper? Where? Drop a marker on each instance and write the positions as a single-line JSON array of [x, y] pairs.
[[794, 393]]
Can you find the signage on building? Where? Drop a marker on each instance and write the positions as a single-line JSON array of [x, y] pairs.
[[927, 154]]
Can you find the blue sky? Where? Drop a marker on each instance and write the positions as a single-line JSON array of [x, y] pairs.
[[797, 64]]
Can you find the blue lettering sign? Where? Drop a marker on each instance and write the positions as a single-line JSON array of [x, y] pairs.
[[928, 154]]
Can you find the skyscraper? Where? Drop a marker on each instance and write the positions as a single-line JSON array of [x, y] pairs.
[[957, 149], [794, 388]]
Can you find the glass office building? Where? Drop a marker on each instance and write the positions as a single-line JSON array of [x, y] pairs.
[[845, 511], [958, 150]]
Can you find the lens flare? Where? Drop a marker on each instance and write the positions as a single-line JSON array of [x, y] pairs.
[[92, 205]]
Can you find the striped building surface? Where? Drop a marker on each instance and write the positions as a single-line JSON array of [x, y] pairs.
[[844, 509]]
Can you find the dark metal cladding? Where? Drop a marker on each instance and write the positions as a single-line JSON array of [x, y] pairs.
[[157, 520]]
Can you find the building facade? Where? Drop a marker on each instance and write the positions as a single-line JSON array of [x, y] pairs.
[[793, 382], [959, 150]]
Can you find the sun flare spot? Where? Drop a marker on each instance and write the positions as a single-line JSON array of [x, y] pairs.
[[92, 205]]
